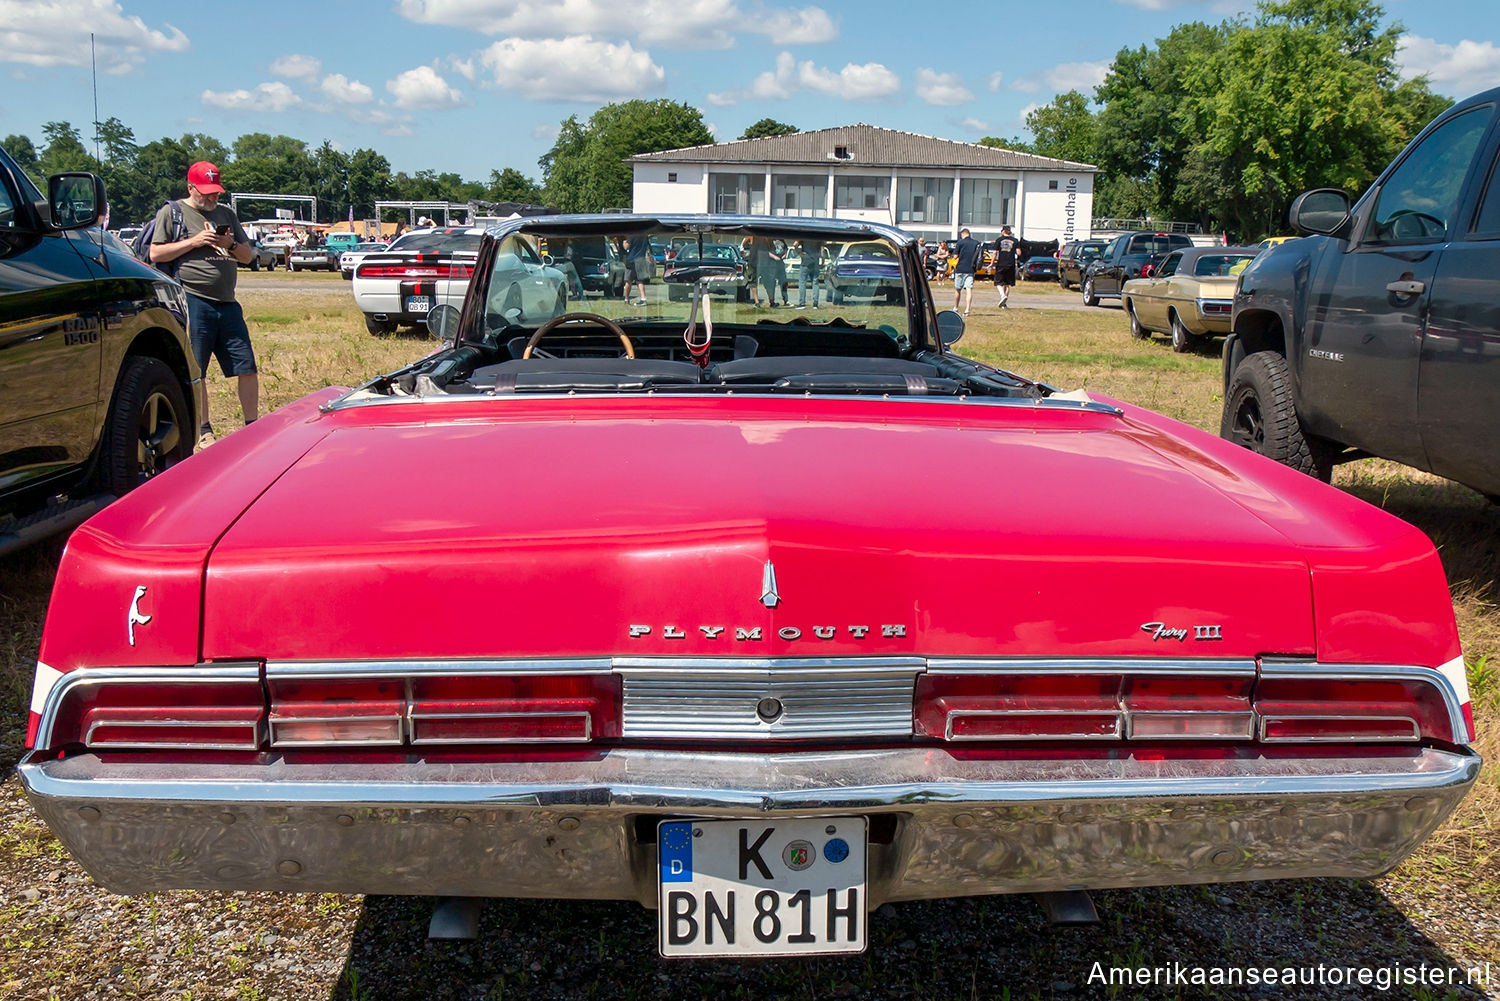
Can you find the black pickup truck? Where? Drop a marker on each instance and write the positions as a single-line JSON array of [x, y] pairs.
[[97, 381], [1379, 334], [1124, 259]]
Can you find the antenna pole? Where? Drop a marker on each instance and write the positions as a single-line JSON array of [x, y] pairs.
[[94, 69]]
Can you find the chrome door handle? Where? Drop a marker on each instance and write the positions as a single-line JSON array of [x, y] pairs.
[[1406, 287]]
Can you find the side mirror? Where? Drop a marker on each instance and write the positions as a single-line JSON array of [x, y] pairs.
[[1324, 211], [950, 326], [76, 199], [442, 322]]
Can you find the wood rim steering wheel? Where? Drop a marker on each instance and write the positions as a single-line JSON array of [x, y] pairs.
[[558, 321]]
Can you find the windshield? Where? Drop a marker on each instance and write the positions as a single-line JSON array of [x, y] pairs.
[[805, 280]]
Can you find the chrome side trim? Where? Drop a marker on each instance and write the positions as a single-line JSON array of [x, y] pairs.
[[1287, 668], [1414, 736], [1122, 665], [253, 744], [332, 670], [953, 714], [414, 718], [205, 674]]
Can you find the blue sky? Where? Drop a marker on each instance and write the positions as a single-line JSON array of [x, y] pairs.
[[474, 85]]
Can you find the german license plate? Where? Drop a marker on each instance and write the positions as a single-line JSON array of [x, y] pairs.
[[753, 888], [418, 303]]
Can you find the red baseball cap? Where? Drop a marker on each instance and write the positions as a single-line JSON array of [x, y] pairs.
[[205, 177]]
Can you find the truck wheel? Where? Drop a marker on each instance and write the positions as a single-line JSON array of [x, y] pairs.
[[147, 428], [1089, 298], [1182, 340], [380, 328], [1260, 413], [1137, 331], [1063, 281]]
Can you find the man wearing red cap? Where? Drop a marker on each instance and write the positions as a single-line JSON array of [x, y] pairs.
[[207, 255]]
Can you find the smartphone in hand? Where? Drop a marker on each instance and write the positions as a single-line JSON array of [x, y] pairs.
[[222, 230]]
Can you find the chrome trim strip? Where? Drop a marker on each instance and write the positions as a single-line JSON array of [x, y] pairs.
[[952, 713], [1414, 737], [1122, 665], [414, 718], [831, 666], [348, 401], [216, 673], [330, 670], [1287, 668], [253, 727], [1249, 719]]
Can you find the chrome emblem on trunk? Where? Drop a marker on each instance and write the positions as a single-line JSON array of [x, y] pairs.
[[135, 617], [768, 595], [1162, 631]]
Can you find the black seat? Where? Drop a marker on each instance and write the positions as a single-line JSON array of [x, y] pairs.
[[773, 367], [541, 375]]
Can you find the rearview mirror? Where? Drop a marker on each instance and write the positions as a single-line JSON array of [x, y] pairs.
[[76, 199], [1324, 211], [442, 322], [950, 326]]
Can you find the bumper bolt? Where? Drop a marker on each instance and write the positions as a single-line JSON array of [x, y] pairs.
[[344, 820], [288, 867], [89, 812], [964, 820], [226, 818], [1416, 803], [1222, 857], [568, 824]]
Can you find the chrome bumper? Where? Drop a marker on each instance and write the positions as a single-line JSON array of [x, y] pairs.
[[573, 829]]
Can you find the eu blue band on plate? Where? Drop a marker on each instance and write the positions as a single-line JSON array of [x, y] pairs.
[[676, 852]]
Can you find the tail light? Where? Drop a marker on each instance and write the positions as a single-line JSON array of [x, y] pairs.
[[177, 714], [337, 711], [418, 271], [1142, 706]]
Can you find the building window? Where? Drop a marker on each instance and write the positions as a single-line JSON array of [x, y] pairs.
[[737, 194], [924, 200], [672, 178], [984, 202], [852, 192], [799, 195], [1052, 184], [841, 152]]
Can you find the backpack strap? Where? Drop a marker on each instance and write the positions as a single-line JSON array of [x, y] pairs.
[[179, 228]]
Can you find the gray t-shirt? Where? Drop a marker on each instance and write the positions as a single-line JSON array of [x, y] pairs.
[[203, 271]]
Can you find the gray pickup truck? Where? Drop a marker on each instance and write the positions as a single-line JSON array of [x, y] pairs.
[[1379, 333]]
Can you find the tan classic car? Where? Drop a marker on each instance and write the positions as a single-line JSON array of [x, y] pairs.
[[1189, 296]]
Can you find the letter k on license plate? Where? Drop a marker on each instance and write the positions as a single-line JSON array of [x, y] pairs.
[[762, 888]]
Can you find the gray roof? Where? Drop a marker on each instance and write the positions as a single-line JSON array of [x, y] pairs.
[[865, 144]]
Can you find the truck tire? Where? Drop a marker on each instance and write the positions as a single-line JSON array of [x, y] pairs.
[[1260, 413], [148, 427], [1089, 298]]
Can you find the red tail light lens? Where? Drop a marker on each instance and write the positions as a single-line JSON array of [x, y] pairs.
[[1294, 709], [342, 711], [530, 709], [1018, 707], [417, 272], [208, 716]]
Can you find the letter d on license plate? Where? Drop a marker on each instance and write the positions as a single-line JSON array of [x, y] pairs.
[[762, 888]]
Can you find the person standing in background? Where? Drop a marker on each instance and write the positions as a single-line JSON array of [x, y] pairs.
[[1007, 251], [809, 271], [207, 265], [967, 250]]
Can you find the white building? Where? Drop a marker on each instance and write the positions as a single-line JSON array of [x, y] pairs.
[[929, 187]]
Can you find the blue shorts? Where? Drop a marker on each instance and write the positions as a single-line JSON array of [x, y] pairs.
[[218, 329], [963, 280]]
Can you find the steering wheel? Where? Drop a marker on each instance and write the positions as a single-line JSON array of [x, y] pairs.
[[1409, 224], [558, 321]]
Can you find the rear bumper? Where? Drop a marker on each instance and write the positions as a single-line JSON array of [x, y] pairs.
[[582, 828]]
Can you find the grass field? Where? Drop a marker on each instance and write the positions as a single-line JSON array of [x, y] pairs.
[[308, 335]]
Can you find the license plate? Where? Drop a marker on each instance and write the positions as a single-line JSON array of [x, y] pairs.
[[752, 888], [418, 303]]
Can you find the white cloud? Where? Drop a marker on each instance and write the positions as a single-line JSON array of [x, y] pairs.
[[273, 96], [1462, 69], [808, 26], [57, 34], [1064, 77], [869, 82], [995, 79], [422, 88], [337, 87], [678, 24], [1153, 4], [942, 89], [723, 99], [975, 125], [572, 69], [545, 131], [297, 67]]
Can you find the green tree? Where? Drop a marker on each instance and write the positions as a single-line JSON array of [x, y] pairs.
[[767, 127], [369, 181], [587, 168], [64, 149], [23, 152], [510, 185]]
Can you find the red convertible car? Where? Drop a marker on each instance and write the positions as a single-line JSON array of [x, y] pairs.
[[758, 618]]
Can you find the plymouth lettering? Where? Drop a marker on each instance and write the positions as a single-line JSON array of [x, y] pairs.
[[793, 633]]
